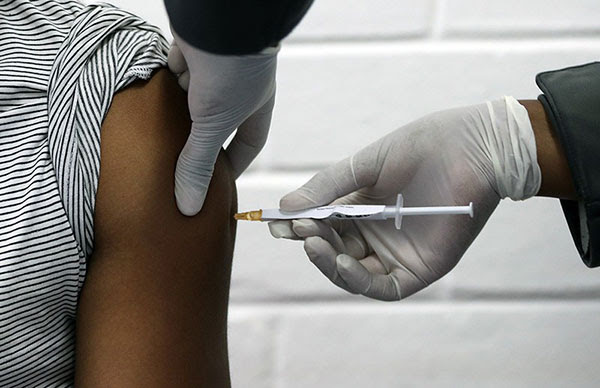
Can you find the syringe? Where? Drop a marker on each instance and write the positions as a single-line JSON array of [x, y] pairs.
[[365, 212]]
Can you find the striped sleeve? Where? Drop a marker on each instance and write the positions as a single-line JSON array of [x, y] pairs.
[[105, 50], [60, 64]]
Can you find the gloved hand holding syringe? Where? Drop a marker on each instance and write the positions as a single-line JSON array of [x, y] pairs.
[[480, 153], [355, 212]]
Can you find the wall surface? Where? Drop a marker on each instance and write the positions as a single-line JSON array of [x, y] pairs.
[[519, 310]]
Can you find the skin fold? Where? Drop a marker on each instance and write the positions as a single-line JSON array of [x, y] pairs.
[[153, 309]]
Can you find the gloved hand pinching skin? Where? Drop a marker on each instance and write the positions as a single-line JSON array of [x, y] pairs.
[[478, 154], [225, 92]]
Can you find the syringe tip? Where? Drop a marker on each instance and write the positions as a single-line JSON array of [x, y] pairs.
[[254, 215]]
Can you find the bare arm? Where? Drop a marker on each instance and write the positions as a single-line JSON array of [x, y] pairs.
[[153, 309]]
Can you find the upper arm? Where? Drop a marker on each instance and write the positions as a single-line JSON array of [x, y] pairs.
[[153, 307]]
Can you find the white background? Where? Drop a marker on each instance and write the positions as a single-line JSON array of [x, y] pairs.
[[520, 309]]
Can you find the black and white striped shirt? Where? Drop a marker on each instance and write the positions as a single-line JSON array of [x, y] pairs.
[[60, 64]]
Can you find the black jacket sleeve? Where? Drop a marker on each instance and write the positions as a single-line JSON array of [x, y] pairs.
[[571, 99], [235, 27]]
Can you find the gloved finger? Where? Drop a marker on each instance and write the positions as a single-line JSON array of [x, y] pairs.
[[303, 228], [195, 167], [308, 228], [176, 60], [322, 255], [361, 281], [373, 264], [354, 241], [349, 244], [342, 178], [250, 138], [282, 229], [183, 80]]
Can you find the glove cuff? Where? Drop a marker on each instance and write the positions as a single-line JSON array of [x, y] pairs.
[[513, 150]]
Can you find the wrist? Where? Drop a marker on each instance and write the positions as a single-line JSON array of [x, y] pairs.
[[556, 175], [511, 147]]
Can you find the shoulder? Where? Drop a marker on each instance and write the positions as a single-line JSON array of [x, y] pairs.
[[141, 138]]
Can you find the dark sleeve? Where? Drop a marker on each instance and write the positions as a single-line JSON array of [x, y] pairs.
[[235, 26], [572, 101]]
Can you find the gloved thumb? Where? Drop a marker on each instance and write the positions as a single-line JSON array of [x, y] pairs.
[[334, 182], [178, 66]]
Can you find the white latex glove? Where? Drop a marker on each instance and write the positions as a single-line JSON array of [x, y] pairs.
[[225, 92], [478, 154]]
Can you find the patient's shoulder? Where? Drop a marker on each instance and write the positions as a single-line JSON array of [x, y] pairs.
[[142, 135]]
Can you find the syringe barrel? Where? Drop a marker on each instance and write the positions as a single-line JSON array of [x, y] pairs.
[[390, 211]]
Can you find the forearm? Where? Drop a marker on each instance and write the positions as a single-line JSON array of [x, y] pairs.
[[556, 175]]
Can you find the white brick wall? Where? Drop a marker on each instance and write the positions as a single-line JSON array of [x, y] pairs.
[[438, 344], [519, 310], [356, 93], [360, 19], [516, 17]]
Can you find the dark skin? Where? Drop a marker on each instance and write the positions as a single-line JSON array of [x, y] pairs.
[[556, 176], [153, 309]]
